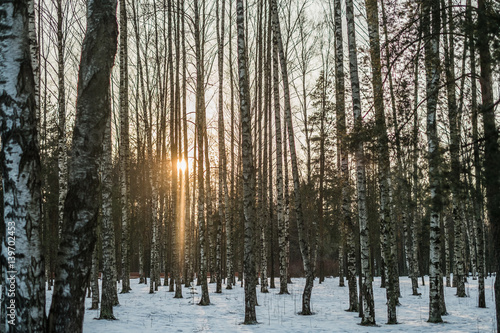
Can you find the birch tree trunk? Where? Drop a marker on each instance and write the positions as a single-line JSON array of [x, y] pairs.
[[154, 279], [266, 225], [35, 58], [21, 181], [200, 129], [124, 148], [140, 144], [257, 146], [402, 181], [82, 202], [491, 150], [414, 191], [189, 234], [307, 255], [344, 158], [233, 215], [224, 217], [182, 159], [447, 261], [455, 184], [61, 104], [194, 264], [431, 37], [279, 177], [109, 296], [385, 212], [368, 317], [94, 275], [286, 203], [270, 151], [248, 170], [321, 185], [476, 190]]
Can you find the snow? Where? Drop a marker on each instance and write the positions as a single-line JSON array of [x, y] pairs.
[[140, 311]]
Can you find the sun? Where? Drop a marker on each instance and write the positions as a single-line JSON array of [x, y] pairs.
[[181, 165]]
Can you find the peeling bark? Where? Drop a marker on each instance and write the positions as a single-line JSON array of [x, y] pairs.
[[21, 179], [109, 289], [431, 27]]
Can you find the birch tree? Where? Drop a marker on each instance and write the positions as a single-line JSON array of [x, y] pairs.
[[200, 130], [368, 317], [227, 216], [455, 184], [61, 104], [491, 149], [188, 221], [348, 223], [431, 27], [124, 148], [109, 296], [82, 202], [283, 263], [478, 200], [248, 169], [308, 253], [21, 182], [413, 196], [384, 164], [224, 217], [94, 275]]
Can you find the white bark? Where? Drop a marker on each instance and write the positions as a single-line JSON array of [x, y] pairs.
[[109, 296], [21, 180], [61, 104], [384, 176], [432, 88], [367, 279], [248, 171]]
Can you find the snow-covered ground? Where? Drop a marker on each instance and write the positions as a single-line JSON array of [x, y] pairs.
[[140, 311]]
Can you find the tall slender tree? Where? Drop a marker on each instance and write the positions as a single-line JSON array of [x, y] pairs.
[[431, 26], [477, 200], [283, 263], [224, 217], [201, 132], [124, 148], [308, 253], [368, 316], [454, 180], [230, 255], [62, 162], [348, 223], [384, 164], [248, 169], [413, 196]]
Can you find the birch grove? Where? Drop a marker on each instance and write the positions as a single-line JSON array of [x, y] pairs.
[[262, 142]]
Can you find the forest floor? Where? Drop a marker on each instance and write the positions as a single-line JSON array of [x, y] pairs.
[[140, 311]]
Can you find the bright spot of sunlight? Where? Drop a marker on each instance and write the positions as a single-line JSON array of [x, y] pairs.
[[181, 165]]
